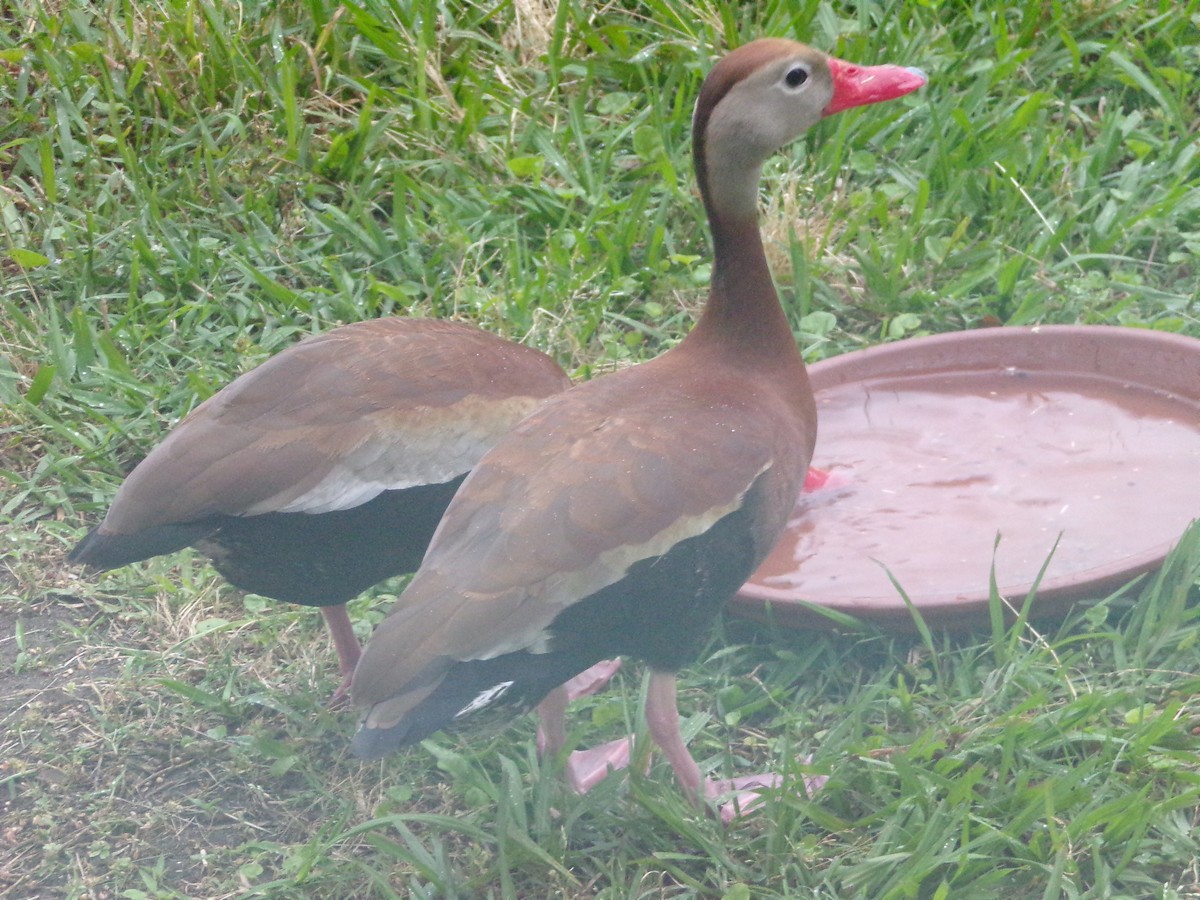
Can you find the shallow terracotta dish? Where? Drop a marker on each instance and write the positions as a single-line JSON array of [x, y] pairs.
[[1076, 448]]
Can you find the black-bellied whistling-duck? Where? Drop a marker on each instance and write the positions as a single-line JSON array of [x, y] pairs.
[[621, 515], [326, 469]]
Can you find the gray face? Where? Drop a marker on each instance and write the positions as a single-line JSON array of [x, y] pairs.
[[764, 111]]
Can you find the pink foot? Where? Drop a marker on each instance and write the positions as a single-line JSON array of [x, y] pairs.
[[584, 768], [589, 681], [816, 479], [341, 697], [747, 791], [587, 768]]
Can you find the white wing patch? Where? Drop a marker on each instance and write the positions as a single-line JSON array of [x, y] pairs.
[[560, 590], [436, 447], [485, 698]]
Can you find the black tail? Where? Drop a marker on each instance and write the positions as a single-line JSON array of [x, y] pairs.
[[508, 685], [100, 551]]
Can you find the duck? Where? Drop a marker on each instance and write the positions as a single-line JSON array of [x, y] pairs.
[[620, 516], [326, 469]]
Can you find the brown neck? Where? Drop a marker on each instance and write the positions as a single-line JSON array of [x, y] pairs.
[[742, 319], [742, 315]]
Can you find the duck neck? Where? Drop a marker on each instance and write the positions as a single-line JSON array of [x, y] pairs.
[[743, 313]]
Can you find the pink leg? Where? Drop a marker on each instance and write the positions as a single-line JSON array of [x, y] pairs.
[[662, 721], [585, 768], [337, 620], [552, 722]]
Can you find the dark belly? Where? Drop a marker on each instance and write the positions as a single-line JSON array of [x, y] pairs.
[[327, 558]]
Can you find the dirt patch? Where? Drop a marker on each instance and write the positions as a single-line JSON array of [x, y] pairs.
[[40, 652], [110, 776], [43, 670]]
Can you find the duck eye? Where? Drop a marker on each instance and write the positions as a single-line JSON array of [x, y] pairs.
[[796, 76]]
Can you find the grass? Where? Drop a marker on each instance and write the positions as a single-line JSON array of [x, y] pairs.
[[189, 187]]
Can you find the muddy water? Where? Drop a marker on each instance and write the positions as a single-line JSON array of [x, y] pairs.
[[934, 469]]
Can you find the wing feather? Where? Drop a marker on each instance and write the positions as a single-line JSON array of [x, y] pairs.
[[561, 508], [336, 420]]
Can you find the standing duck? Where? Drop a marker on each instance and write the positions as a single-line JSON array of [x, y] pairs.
[[620, 516], [326, 469]]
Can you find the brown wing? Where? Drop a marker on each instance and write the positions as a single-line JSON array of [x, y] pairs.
[[564, 504], [337, 419]]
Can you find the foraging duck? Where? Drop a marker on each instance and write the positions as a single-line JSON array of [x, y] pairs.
[[620, 516], [326, 469]]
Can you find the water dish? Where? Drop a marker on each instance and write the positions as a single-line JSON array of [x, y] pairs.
[[1073, 448]]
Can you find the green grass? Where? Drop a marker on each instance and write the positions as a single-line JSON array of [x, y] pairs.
[[189, 187]]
